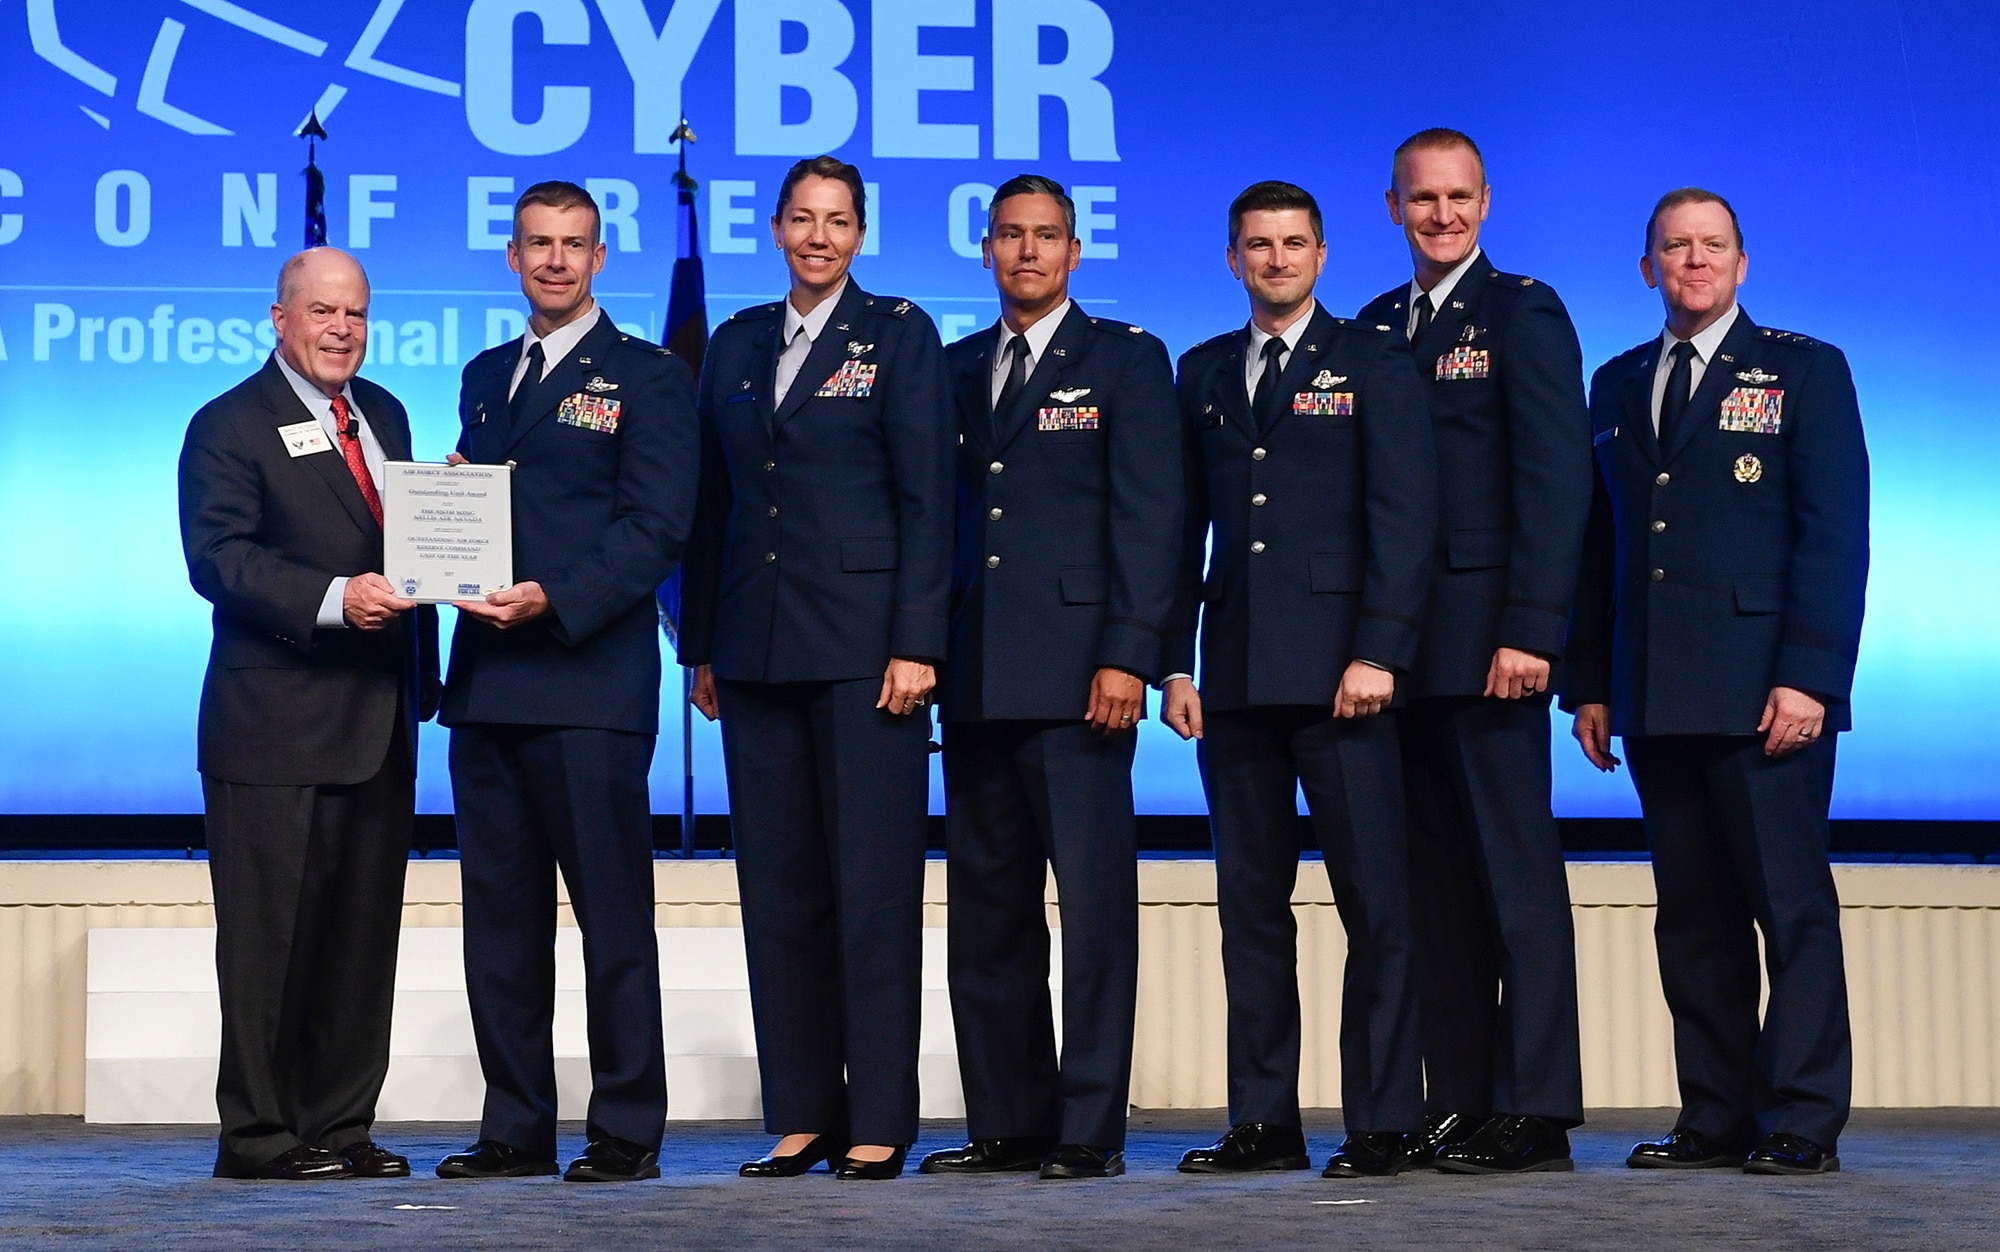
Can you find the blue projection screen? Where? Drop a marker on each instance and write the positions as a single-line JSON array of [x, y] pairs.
[[149, 188]]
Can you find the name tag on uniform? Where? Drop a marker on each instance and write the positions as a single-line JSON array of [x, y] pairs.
[[1324, 403], [1463, 362], [305, 438], [1758, 410], [590, 413], [1067, 417], [853, 380]]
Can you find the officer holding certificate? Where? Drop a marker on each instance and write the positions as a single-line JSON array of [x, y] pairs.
[[553, 699]]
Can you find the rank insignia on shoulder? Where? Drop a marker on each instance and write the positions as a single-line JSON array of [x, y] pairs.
[[1137, 330], [1748, 469], [745, 386], [1463, 363], [597, 386], [1755, 375], [1069, 395], [856, 348], [1379, 327], [902, 307], [852, 380], [1323, 404], [1756, 410], [1066, 418], [1327, 378], [1527, 282]]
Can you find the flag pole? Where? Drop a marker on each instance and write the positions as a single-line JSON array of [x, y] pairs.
[[687, 336], [315, 183]]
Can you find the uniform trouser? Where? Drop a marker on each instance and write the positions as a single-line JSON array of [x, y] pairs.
[[308, 888], [1496, 947], [530, 800], [1739, 844], [828, 801], [1020, 796], [1253, 762]]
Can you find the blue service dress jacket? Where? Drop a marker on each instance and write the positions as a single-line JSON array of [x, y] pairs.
[[1505, 377], [604, 487], [1733, 560], [823, 545], [1324, 514], [1069, 521]]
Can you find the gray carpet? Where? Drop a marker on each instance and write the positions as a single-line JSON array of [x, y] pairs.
[[1912, 1180]]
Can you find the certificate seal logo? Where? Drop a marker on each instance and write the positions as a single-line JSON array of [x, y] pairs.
[[1748, 468]]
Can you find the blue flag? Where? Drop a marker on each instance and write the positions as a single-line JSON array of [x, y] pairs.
[[687, 336]]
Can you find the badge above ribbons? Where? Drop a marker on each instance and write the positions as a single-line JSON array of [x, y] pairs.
[[1323, 404], [590, 413], [1067, 417], [1758, 410], [1463, 362], [853, 380]]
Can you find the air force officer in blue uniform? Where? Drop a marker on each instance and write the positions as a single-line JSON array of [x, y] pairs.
[[815, 612], [1716, 628], [1496, 951], [553, 699], [1309, 452], [1069, 517]]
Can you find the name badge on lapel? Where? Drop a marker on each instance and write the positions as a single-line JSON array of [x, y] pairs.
[[1067, 417], [1324, 403], [853, 380], [1463, 362], [305, 438], [590, 413], [1758, 410]]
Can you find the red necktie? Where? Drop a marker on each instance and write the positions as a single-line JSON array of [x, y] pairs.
[[350, 447]]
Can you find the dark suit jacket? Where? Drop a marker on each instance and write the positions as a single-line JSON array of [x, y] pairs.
[[1325, 516], [1514, 471], [1734, 560], [823, 546], [601, 517], [285, 703], [1077, 492]]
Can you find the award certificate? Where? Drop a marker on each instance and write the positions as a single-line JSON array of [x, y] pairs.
[[447, 530]]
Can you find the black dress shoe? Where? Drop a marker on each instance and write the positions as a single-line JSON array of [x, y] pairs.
[[1441, 1130], [1250, 1147], [1374, 1155], [1685, 1149], [490, 1158], [300, 1164], [371, 1160], [611, 1159], [822, 1148], [1790, 1154], [989, 1156], [1510, 1144], [873, 1171], [1079, 1160]]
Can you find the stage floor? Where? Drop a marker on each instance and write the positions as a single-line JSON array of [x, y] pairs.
[[1921, 1179]]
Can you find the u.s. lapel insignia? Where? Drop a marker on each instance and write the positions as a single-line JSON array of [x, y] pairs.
[[1058, 351], [1312, 347], [855, 348], [1726, 357], [745, 386], [1458, 304], [1748, 468], [1069, 395], [597, 386], [843, 326], [1756, 375]]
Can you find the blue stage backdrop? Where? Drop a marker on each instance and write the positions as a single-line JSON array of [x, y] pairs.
[[149, 188]]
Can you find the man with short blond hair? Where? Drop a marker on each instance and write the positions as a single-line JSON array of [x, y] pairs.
[[317, 679]]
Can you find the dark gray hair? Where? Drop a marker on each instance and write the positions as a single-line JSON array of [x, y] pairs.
[[1691, 195], [1031, 185]]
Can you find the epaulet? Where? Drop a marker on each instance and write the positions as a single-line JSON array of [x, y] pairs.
[[757, 311], [1212, 342], [895, 306], [1510, 280], [1788, 337], [645, 345], [1112, 327]]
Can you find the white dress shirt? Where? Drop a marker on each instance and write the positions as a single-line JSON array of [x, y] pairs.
[[556, 345], [1253, 360], [332, 605], [792, 355], [1038, 337], [1705, 343], [1438, 294]]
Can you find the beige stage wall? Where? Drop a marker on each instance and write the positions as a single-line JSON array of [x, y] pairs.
[[1923, 967]]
